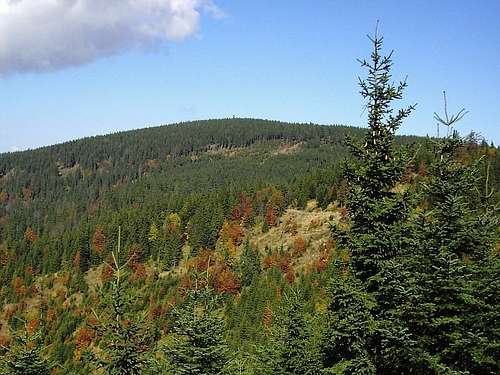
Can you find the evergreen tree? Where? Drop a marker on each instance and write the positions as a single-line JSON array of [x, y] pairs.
[[377, 212], [458, 300], [362, 330], [25, 357], [249, 266], [125, 340], [293, 344], [197, 343], [347, 346]]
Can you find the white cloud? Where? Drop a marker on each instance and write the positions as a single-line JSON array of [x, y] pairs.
[[44, 35]]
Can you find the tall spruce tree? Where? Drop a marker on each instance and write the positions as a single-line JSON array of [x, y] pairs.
[[377, 212], [362, 329]]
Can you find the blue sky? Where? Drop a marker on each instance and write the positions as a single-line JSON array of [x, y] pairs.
[[285, 60]]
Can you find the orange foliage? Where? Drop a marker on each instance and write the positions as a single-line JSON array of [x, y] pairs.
[[421, 169], [285, 265], [270, 260], [32, 326], [226, 282], [106, 273], [322, 261], [51, 315], [344, 214], [99, 240], [299, 246], [18, 285], [29, 270], [134, 254], [156, 312], [203, 260], [4, 342], [219, 274], [30, 235], [27, 194], [290, 277], [271, 215], [4, 197], [186, 283], [232, 231], [76, 261], [243, 210], [84, 337], [139, 272]]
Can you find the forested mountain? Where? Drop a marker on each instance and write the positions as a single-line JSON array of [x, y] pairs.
[[243, 246]]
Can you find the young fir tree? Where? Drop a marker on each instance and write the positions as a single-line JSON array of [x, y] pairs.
[[197, 344], [452, 319], [125, 340], [293, 346], [25, 357], [350, 327], [249, 266]]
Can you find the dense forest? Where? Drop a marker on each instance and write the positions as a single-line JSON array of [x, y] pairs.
[[243, 246]]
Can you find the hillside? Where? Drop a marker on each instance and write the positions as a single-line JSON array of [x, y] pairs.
[[248, 202]]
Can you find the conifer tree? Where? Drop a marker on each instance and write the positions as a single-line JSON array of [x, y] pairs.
[[249, 266], [376, 211], [25, 356], [197, 344], [362, 332], [458, 299], [125, 340], [350, 327], [293, 344]]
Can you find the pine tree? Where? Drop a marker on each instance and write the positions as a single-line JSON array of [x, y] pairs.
[[197, 344], [25, 357], [293, 344], [451, 318], [125, 340], [376, 211], [249, 266]]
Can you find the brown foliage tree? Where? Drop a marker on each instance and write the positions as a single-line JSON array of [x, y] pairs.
[[99, 240], [30, 235]]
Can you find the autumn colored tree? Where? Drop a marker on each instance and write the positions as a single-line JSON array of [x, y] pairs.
[[99, 240], [30, 235]]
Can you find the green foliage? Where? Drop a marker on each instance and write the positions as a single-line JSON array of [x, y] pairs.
[[197, 344], [124, 339], [376, 211], [293, 346], [25, 356], [408, 286], [249, 266], [350, 328]]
